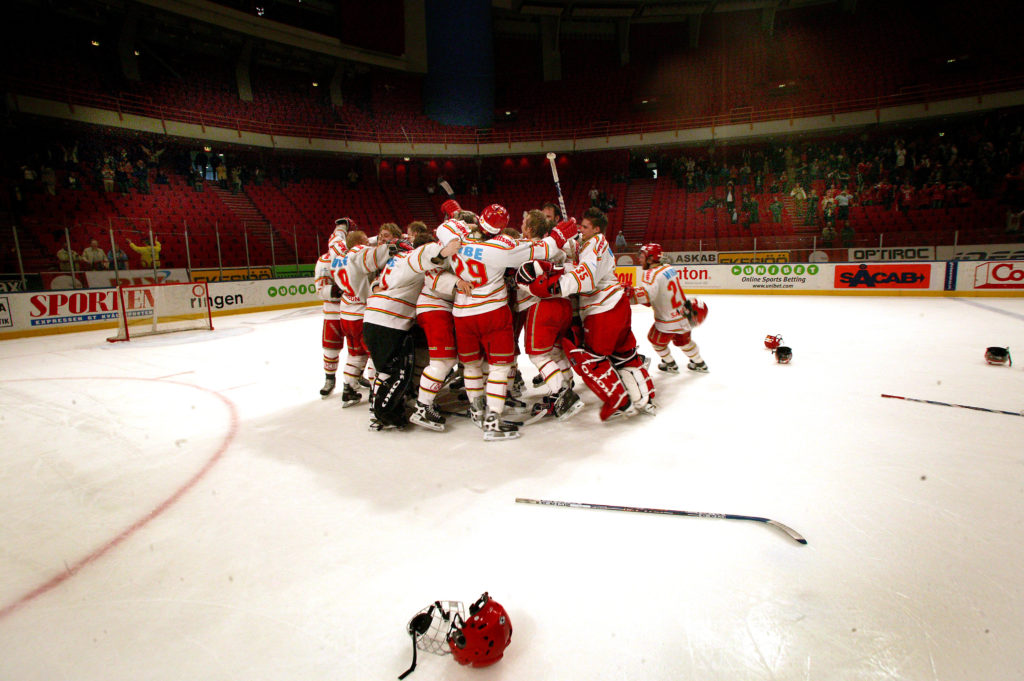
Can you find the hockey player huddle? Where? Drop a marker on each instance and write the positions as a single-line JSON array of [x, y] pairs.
[[438, 316]]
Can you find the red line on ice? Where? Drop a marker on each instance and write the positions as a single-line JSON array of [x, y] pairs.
[[77, 567]]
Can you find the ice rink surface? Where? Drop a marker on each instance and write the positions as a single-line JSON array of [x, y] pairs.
[[187, 507]]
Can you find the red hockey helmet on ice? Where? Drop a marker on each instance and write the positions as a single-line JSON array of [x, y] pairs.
[[998, 356], [481, 640], [652, 252], [494, 218], [772, 342]]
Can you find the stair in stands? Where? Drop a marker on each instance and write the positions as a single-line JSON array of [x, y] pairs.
[[420, 206], [263, 238], [794, 216], [637, 209]]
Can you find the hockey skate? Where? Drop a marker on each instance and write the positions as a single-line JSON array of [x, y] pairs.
[[517, 386], [496, 429], [427, 416], [350, 396], [701, 368], [567, 403], [669, 367], [538, 381], [478, 411], [328, 386], [627, 410], [377, 425], [514, 406]]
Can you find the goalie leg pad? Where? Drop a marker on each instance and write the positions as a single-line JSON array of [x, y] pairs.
[[600, 376], [635, 377], [389, 397]]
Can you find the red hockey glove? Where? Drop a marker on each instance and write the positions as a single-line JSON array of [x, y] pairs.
[[546, 286], [630, 294], [565, 230], [449, 208], [529, 271]]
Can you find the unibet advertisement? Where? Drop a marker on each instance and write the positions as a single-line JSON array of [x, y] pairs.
[[778, 277]]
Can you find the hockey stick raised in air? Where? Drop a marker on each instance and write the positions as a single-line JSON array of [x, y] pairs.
[[950, 404], [793, 534], [558, 185]]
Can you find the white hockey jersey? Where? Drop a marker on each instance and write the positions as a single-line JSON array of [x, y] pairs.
[[323, 281], [483, 264], [393, 302], [353, 272], [438, 292], [661, 288], [593, 277]]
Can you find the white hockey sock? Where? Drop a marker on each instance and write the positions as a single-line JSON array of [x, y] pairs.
[[549, 371], [497, 387], [663, 352], [331, 360], [354, 369], [433, 378], [473, 375], [693, 352]]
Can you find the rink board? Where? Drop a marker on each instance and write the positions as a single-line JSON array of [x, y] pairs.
[[46, 312]]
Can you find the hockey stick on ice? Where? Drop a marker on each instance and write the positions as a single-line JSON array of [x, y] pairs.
[[950, 404], [793, 534], [558, 185]]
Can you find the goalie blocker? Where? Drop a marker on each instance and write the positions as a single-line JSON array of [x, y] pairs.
[[144, 310]]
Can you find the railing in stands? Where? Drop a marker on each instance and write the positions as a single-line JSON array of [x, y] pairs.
[[144, 106]]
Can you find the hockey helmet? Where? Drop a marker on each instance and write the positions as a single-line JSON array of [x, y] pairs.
[[652, 252], [494, 218], [998, 356], [481, 640], [697, 311], [783, 354], [772, 342]]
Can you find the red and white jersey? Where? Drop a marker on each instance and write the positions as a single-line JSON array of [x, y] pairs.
[[593, 277], [661, 288], [393, 302], [438, 292], [451, 229], [483, 264], [353, 272], [323, 281]]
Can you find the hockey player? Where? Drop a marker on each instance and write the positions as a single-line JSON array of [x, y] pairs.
[[660, 287], [483, 320], [434, 316], [353, 274], [607, 358], [331, 338], [546, 321], [387, 326]]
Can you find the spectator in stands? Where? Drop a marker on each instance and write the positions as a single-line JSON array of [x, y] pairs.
[[121, 174], [752, 207], [843, 200], [353, 178], [66, 259], [93, 257], [141, 174], [48, 176], [236, 180], [776, 210], [107, 175], [222, 173], [799, 195], [593, 195], [906, 196], [730, 197], [117, 258], [811, 215], [149, 254], [847, 235], [620, 241], [74, 182], [828, 235], [1013, 220]]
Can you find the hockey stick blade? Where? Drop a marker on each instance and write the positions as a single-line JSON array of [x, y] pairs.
[[793, 534], [447, 188], [961, 406]]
